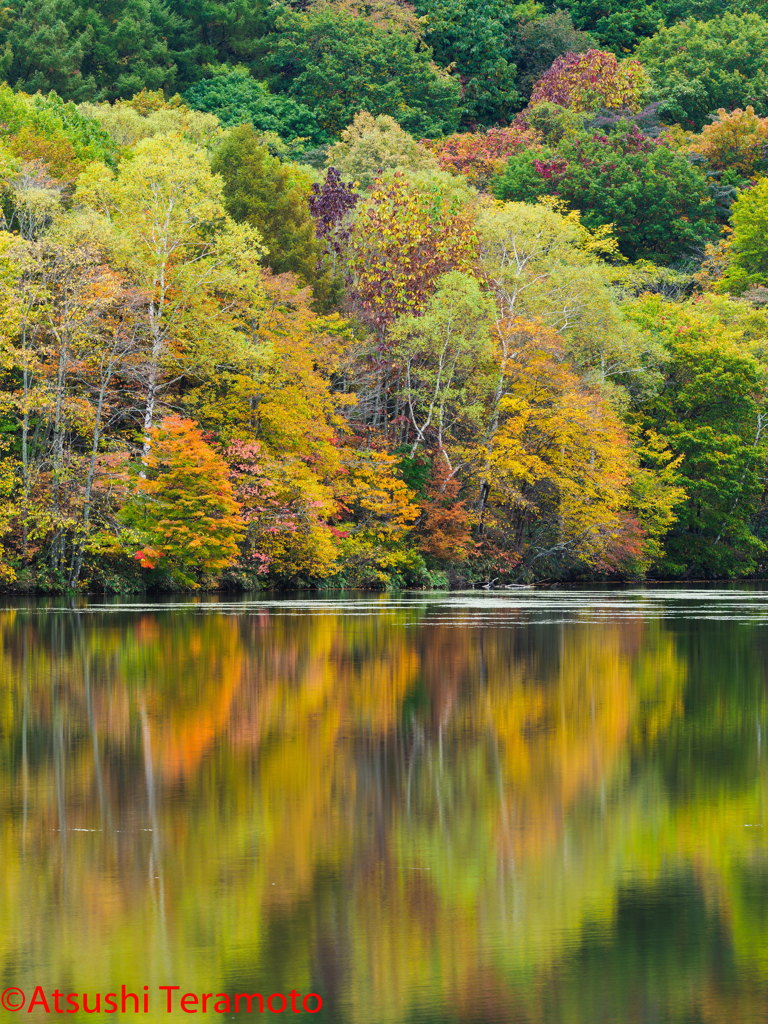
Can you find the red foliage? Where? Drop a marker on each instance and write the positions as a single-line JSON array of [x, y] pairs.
[[445, 526], [148, 557], [482, 155], [591, 81], [262, 509]]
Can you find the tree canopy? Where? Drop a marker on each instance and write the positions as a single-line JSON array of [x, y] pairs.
[[381, 294]]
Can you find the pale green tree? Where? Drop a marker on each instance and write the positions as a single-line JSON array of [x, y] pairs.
[[170, 232], [445, 360], [543, 264], [371, 145], [748, 245]]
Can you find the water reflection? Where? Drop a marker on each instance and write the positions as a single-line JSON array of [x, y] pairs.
[[539, 808]]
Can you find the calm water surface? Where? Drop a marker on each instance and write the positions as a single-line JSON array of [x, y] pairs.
[[536, 807]]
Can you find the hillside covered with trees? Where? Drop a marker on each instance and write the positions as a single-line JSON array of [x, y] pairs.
[[367, 293]]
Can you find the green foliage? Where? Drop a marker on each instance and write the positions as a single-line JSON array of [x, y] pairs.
[[657, 202], [698, 67], [338, 64], [540, 39], [415, 470], [621, 24], [235, 97], [617, 24], [372, 145], [559, 278], [711, 412], [106, 49], [478, 38], [498, 49], [521, 181], [52, 120], [271, 197], [550, 121], [223, 31], [149, 113], [748, 245], [445, 356]]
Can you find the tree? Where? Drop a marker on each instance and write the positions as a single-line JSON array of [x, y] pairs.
[[286, 511], [444, 528], [272, 198], [236, 97], [371, 145], [478, 40], [380, 514], [657, 201], [269, 514], [747, 246], [150, 113], [697, 67], [618, 24], [182, 511], [281, 424], [224, 31], [711, 412], [498, 49], [479, 156], [592, 81], [407, 232], [540, 40], [169, 231], [542, 264], [443, 356], [331, 204], [735, 140], [74, 340], [57, 129], [103, 50], [554, 293], [338, 64], [555, 464], [391, 15]]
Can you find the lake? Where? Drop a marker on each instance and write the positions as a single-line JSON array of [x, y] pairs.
[[529, 806]]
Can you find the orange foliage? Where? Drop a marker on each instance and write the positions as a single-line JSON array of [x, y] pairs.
[[479, 156], [737, 139], [184, 507], [444, 531]]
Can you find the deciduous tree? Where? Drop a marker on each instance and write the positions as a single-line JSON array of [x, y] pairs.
[[592, 81], [697, 67], [171, 234], [735, 140], [182, 512], [711, 413], [657, 202], [407, 232], [371, 145], [338, 64], [273, 198], [236, 98]]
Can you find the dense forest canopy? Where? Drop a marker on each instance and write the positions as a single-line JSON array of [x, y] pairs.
[[368, 293]]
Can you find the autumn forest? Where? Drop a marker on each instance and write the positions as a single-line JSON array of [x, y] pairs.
[[376, 294]]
